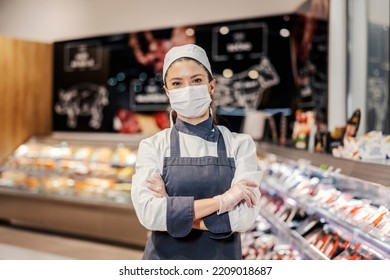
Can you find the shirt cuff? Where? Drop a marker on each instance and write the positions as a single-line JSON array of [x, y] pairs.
[[218, 225], [180, 215]]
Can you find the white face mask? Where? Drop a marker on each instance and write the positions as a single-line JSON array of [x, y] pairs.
[[191, 101]]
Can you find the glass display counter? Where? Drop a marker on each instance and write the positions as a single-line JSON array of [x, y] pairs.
[[73, 183]]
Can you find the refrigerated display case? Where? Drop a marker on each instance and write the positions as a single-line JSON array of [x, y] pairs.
[[80, 184], [325, 214], [263, 242], [73, 183]]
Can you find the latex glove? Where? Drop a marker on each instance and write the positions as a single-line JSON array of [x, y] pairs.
[[156, 184], [240, 191]]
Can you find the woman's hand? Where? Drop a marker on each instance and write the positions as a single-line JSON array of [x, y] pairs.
[[156, 184], [240, 191], [199, 224]]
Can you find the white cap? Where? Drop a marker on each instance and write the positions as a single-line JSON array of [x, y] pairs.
[[189, 50]]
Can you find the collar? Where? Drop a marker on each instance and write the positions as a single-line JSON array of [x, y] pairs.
[[205, 130]]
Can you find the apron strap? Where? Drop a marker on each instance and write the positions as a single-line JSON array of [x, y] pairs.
[[175, 143], [221, 147]]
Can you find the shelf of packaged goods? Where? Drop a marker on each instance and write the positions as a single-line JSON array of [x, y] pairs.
[[381, 248], [371, 172], [85, 217], [292, 237]]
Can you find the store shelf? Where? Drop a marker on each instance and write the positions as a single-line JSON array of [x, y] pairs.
[[371, 172], [381, 248], [292, 237]]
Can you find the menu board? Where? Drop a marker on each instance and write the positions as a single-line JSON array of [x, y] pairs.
[[106, 83]]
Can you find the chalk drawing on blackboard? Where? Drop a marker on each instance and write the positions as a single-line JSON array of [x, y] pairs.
[[83, 56], [84, 99], [245, 89], [148, 94], [377, 102], [239, 41]]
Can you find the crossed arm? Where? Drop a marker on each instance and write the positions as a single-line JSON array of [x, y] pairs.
[[241, 191]]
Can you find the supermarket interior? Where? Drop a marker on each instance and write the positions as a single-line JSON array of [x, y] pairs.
[[81, 85]]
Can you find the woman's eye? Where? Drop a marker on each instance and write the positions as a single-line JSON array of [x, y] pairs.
[[175, 84], [197, 81]]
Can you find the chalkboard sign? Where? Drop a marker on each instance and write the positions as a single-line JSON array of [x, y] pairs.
[[99, 80], [83, 56], [239, 41]]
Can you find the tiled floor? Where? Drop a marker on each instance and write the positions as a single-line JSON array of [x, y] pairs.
[[17, 244]]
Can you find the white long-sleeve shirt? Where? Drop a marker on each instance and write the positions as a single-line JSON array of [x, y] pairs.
[[152, 211]]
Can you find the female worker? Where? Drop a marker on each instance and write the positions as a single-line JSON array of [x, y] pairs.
[[196, 183]]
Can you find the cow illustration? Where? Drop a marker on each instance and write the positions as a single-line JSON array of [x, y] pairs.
[[245, 89], [84, 99]]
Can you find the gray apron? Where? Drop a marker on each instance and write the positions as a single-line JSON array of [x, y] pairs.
[[186, 179]]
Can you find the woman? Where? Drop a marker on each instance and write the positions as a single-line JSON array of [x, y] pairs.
[[196, 184]]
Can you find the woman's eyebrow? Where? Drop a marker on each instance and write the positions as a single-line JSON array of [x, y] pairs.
[[193, 76], [175, 78]]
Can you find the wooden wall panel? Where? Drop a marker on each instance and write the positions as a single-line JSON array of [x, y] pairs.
[[25, 92]]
